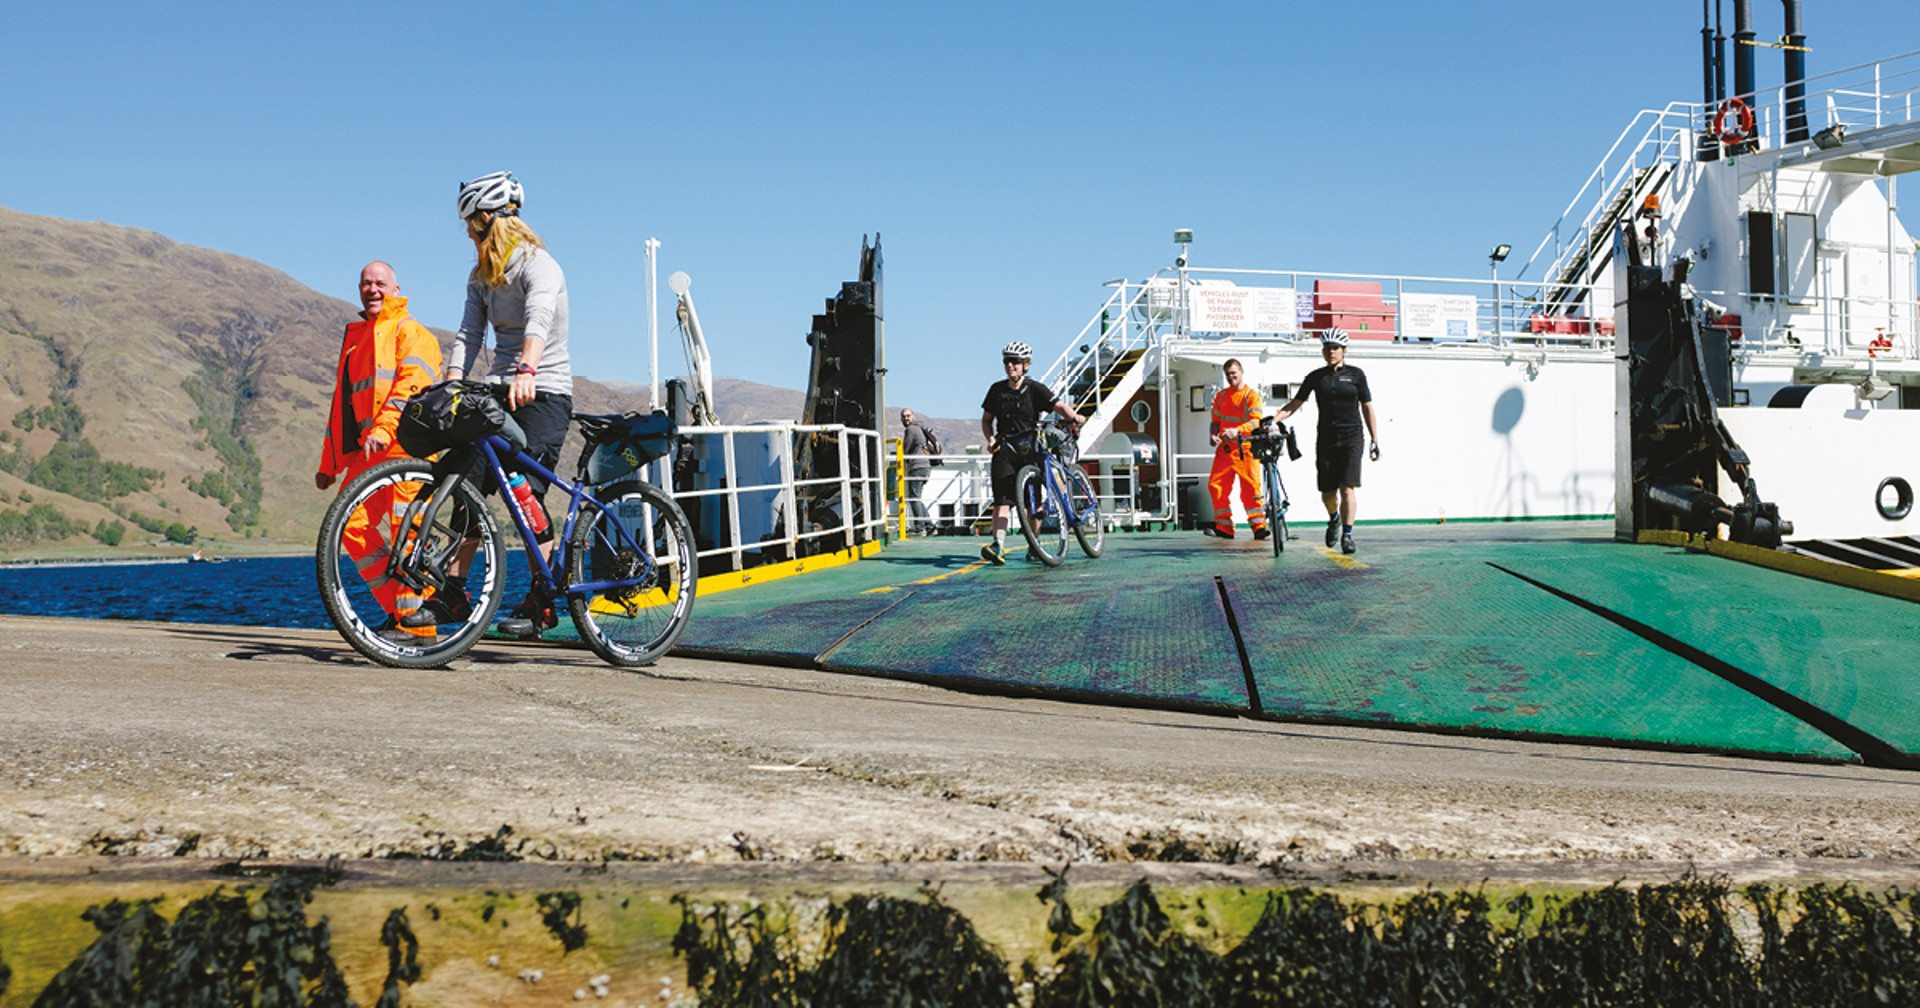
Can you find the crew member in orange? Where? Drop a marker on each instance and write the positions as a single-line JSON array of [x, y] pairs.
[[1236, 413], [384, 359]]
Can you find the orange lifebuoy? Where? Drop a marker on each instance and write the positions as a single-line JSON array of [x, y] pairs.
[[1742, 121]]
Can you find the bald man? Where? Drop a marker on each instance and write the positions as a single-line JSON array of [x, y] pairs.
[[385, 358]]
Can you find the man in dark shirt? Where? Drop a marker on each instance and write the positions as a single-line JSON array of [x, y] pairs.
[[1009, 416], [1340, 393]]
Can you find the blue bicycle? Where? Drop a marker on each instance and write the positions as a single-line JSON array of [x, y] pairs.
[[1054, 496], [623, 558]]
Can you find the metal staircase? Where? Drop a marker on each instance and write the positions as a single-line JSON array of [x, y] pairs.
[[1577, 275], [1107, 363]]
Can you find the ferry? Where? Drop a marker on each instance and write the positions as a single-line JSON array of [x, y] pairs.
[[1502, 398]]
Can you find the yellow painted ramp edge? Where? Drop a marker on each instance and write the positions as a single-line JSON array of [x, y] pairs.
[[1878, 582]]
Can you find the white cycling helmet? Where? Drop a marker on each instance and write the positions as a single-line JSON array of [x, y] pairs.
[[499, 192], [1016, 350], [1336, 336]]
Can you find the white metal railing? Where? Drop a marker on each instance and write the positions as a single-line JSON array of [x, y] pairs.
[[1653, 138], [1411, 309], [959, 492], [1122, 325], [750, 511], [1867, 96]]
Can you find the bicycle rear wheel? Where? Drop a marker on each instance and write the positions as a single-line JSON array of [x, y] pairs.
[[367, 524], [1085, 507], [1276, 502], [1034, 504], [638, 538]]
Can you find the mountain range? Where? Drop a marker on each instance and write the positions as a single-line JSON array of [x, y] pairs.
[[151, 390]]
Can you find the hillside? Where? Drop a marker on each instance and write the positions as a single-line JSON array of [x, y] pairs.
[[151, 389], [148, 383]]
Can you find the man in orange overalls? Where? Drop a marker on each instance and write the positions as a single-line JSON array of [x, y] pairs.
[[1236, 413], [384, 359]]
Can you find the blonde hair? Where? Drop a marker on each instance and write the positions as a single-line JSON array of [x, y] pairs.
[[496, 245]]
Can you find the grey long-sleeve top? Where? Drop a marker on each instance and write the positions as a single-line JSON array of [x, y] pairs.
[[533, 302]]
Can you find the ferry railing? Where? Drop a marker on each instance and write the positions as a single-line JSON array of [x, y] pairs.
[[743, 495], [959, 493], [1129, 320], [1835, 327], [1407, 309], [1867, 96], [1653, 138]]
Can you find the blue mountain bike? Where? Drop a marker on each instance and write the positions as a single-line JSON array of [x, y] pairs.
[[623, 559], [1053, 496]]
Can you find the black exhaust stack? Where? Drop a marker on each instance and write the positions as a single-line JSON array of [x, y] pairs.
[[1796, 90]]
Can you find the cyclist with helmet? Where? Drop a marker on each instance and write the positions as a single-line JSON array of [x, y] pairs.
[[517, 287], [1340, 393], [1010, 414]]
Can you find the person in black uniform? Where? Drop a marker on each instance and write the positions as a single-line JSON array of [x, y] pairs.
[[1344, 401], [1009, 415]]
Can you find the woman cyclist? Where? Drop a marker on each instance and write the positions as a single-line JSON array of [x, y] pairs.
[[1009, 416], [517, 287]]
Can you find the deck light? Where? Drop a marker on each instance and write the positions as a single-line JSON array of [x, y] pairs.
[[1831, 137], [1183, 236], [1500, 253]]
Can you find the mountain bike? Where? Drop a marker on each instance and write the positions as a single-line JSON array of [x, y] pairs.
[[623, 557], [1053, 495], [1266, 443]]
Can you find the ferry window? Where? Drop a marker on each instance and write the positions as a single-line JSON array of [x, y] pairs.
[[1760, 260], [1797, 256], [1279, 392]]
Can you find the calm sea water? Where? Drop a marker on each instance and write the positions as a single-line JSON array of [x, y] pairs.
[[264, 591]]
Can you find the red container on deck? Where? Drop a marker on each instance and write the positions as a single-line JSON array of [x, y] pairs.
[[1355, 306]]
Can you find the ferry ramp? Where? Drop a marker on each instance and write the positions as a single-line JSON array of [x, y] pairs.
[[1546, 630]]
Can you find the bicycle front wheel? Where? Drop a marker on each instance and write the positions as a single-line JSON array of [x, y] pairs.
[[379, 524], [1276, 508], [1039, 521], [631, 574], [1085, 507]]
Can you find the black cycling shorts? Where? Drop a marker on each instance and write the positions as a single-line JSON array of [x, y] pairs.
[[1007, 463], [1336, 459]]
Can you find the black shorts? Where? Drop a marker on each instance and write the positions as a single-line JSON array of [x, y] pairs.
[[1336, 459], [544, 422], [1007, 463]]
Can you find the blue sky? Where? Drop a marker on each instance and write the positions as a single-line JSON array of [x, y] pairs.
[[1012, 156]]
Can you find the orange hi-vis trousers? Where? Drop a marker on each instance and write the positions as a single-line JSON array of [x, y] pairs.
[[372, 532], [1232, 460]]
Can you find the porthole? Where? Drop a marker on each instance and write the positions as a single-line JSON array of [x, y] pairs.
[[1902, 502]]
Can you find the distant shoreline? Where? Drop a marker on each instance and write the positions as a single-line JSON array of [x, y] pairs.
[[108, 557]]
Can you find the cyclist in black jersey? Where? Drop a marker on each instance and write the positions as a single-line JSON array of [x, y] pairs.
[[1009, 415], [1345, 403]]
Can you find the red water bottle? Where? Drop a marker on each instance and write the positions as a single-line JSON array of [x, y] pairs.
[[524, 501]]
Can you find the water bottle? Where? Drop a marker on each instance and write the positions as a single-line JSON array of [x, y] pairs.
[[524, 501]]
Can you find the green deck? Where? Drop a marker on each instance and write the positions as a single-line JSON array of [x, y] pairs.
[[1545, 629]]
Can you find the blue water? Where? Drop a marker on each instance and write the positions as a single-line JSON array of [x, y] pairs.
[[262, 591]]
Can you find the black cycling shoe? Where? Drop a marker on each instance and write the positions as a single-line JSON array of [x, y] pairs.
[[1346, 543], [442, 608], [1333, 531], [529, 619]]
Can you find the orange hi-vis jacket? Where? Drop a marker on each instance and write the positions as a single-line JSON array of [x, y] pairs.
[[1237, 410], [382, 364]]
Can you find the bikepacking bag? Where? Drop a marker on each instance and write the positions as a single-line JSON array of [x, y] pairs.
[[934, 450], [447, 415], [618, 445]]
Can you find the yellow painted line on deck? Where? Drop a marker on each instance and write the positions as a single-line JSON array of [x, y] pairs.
[[1893, 585], [1340, 559], [774, 572], [883, 589]]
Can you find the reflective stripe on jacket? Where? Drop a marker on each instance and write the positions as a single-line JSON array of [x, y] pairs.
[[1236, 409], [382, 364]]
